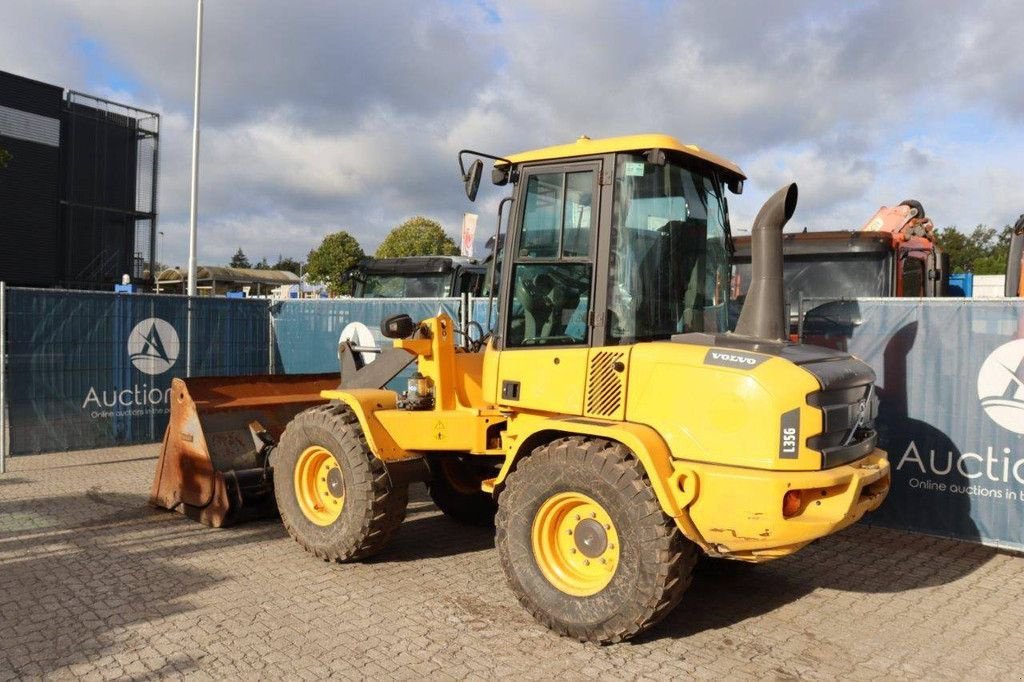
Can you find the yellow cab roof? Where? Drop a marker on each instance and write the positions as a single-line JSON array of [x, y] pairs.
[[585, 146]]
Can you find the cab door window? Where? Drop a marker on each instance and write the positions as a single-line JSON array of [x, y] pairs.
[[552, 271]]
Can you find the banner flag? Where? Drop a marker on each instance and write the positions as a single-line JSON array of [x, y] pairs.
[[468, 233]]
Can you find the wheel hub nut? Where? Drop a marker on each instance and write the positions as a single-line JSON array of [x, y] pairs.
[[591, 538], [335, 483]]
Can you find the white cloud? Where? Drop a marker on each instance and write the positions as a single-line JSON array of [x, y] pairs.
[[321, 116]]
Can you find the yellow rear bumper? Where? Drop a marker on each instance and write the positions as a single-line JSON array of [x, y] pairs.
[[738, 512]]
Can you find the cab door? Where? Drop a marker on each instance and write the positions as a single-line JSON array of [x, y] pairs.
[[546, 312]]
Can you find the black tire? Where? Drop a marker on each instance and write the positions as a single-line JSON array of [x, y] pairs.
[[454, 486], [914, 203], [373, 507], [655, 562]]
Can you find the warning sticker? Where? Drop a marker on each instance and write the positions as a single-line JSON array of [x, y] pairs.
[[634, 169]]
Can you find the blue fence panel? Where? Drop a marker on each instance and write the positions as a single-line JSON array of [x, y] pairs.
[[307, 332], [90, 369], [950, 375], [230, 337]]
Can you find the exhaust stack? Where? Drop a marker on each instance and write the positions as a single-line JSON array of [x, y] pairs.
[[763, 316], [1011, 286]]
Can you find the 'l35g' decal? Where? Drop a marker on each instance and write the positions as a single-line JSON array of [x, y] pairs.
[[789, 435]]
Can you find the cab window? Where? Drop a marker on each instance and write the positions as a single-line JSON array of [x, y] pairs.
[[552, 271], [669, 265]]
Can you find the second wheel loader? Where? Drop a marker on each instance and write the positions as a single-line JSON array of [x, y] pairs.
[[616, 426]]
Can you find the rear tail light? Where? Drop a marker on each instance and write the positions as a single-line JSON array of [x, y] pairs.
[[791, 503]]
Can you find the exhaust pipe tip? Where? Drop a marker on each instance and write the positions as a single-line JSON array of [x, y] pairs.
[[790, 202], [763, 317]]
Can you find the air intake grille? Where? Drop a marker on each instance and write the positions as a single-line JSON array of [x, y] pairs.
[[847, 424], [604, 384]]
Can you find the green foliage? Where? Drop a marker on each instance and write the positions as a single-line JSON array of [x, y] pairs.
[[5, 157], [240, 260], [417, 236], [289, 264], [328, 263], [982, 252]]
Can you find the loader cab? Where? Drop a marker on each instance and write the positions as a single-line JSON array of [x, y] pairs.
[[607, 249], [614, 250]]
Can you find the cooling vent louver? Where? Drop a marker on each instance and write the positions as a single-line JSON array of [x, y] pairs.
[[604, 384]]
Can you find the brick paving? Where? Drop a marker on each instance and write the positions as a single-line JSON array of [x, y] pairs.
[[96, 585]]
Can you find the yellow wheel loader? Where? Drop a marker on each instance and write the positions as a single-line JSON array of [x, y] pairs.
[[609, 419]]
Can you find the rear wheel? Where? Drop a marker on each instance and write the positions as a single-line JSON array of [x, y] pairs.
[[454, 486], [335, 497], [585, 545]]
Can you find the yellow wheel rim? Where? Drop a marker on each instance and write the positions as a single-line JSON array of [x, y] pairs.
[[575, 544], [319, 486]]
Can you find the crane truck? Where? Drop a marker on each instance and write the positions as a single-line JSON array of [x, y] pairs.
[[893, 255]]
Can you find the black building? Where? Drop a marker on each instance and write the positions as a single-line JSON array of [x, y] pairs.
[[78, 195]]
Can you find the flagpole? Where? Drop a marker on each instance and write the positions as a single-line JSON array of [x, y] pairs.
[[195, 154]]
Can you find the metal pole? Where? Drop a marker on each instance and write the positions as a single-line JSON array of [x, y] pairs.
[[195, 154], [3, 377], [271, 336], [188, 338]]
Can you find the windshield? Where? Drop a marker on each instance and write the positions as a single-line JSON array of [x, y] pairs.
[[669, 267], [825, 276], [433, 285]]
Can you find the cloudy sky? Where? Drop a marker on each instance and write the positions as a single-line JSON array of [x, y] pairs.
[[322, 115]]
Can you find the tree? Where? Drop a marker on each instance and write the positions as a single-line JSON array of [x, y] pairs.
[[239, 260], [982, 252], [5, 156], [328, 263], [289, 264], [263, 264], [417, 236]]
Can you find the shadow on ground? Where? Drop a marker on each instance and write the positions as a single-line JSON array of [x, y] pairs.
[[77, 570], [861, 559], [426, 534]]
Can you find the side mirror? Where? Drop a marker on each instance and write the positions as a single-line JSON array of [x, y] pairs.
[[398, 326], [472, 178]]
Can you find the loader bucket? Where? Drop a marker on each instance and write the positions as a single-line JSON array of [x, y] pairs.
[[213, 467]]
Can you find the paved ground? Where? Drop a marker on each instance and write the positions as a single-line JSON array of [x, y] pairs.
[[93, 584]]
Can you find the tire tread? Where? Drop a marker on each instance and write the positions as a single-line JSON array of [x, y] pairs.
[[674, 555], [385, 505]]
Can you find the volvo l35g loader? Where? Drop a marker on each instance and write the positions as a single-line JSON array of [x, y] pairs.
[[610, 419]]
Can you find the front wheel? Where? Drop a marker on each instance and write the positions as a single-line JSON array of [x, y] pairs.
[[335, 497], [585, 545]]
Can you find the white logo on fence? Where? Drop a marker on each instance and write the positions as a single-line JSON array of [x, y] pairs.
[[153, 346], [1001, 385]]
